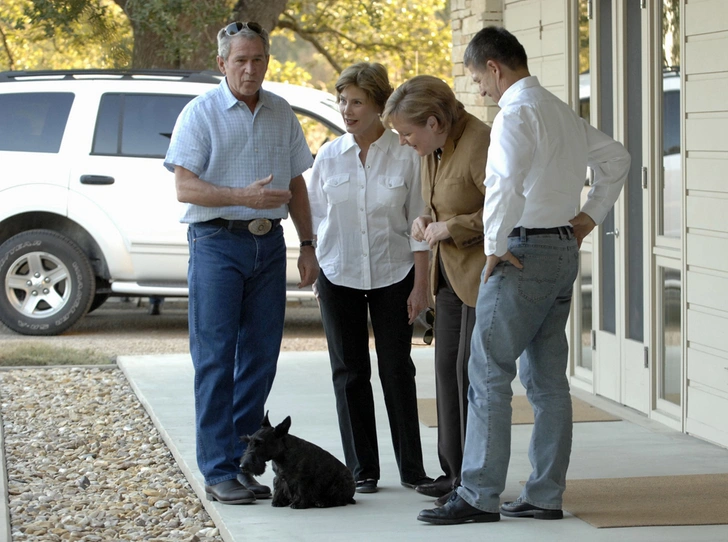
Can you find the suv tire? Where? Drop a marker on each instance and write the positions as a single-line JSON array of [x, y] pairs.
[[51, 272]]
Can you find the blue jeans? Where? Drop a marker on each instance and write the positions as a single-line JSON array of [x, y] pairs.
[[237, 298], [521, 313]]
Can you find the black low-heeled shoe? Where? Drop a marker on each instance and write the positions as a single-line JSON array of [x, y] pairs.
[[366, 486], [436, 488], [229, 492], [414, 485]]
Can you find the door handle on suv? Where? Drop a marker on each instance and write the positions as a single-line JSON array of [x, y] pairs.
[[96, 179]]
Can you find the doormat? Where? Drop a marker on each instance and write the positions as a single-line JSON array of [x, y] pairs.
[[694, 499], [522, 412]]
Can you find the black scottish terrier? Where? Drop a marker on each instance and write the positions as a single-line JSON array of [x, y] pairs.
[[305, 475]]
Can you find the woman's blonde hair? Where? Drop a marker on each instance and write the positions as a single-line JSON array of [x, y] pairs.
[[371, 77], [420, 98]]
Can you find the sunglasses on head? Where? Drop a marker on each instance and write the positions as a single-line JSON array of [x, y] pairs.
[[234, 28]]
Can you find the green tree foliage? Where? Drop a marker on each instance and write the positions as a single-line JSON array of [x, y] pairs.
[[90, 36], [407, 36], [583, 36], [671, 34]]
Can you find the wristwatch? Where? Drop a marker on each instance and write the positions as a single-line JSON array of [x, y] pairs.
[[308, 243]]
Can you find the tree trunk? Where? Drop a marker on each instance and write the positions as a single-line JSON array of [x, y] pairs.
[[192, 42], [263, 12]]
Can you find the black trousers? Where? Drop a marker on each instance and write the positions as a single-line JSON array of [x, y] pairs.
[[344, 315], [454, 322]]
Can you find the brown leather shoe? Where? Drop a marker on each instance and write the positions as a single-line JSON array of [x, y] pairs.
[[259, 490], [229, 492]]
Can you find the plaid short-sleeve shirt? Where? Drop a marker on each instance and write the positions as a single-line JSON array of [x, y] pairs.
[[222, 142]]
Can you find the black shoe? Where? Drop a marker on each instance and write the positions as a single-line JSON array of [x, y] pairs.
[[259, 490], [421, 482], [366, 486], [521, 509], [457, 511], [442, 501], [229, 492], [435, 488]]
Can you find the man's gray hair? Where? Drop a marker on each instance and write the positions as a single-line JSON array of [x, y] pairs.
[[224, 41]]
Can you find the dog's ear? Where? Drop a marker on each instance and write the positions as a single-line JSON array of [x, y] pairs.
[[265, 422], [283, 427], [245, 438]]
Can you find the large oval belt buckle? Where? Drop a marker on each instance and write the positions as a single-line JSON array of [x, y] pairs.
[[260, 226]]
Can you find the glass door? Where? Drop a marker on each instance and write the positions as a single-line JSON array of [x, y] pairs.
[[612, 300]]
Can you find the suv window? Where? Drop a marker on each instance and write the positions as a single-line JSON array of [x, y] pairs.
[[315, 131], [136, 124], [33, 122]]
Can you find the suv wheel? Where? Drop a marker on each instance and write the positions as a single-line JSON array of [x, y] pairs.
[[47, 281]]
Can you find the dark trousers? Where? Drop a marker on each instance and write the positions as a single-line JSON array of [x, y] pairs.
[[454, 322], [344, 316]]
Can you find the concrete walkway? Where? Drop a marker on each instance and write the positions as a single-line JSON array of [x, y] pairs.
[[303, 390]]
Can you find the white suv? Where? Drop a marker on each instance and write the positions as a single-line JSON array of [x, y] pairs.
[[87, 210]]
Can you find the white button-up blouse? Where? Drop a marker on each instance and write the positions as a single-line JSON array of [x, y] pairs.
[[363, 213]]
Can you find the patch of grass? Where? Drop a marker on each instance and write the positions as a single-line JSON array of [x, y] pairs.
[[38, 354]]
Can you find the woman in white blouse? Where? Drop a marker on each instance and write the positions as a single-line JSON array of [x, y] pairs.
[[365, 193]]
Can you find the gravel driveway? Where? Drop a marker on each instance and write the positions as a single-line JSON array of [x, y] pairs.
[[84, 460], [123, 328]]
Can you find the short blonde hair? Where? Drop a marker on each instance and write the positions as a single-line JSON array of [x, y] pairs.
[[420, 98], [371, 77]]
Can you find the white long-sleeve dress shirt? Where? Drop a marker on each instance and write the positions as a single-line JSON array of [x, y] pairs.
[[363, 213], [537, 162]]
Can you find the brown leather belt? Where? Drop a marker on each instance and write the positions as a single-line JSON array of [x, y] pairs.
[[257, 226]]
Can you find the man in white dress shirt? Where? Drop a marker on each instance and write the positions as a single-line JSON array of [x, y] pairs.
[[537, 160]]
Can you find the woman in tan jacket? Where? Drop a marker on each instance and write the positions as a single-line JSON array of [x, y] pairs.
[[453, 146]]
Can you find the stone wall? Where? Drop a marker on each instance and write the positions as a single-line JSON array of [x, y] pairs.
[[468, 17]]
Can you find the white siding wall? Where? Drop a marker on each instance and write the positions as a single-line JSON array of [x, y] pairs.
[[706, 145]]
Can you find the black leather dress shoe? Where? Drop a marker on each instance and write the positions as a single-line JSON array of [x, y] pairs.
[[417, 483], [520, 509], [435, 488], [259, 490], [442, 501], [229, 492], [456, 511]]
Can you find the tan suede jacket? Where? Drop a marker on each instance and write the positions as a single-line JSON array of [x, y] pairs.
[[453, 190]]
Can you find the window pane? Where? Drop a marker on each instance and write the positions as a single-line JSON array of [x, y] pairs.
[[148, 122], [671, 161], [585, 268], [671, 189], [671, 332], [633, 189], [316, 132], [584, 83], [106, 138], [33, 122]]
